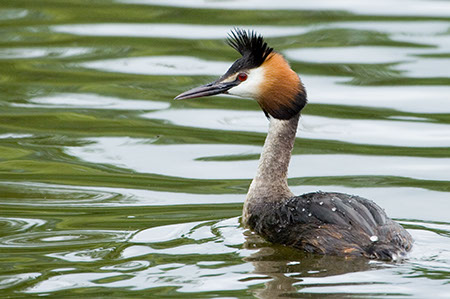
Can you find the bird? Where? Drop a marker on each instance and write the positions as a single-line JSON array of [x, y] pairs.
[[329, 223]]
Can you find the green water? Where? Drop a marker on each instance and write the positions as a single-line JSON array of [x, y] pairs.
[[111, 188]]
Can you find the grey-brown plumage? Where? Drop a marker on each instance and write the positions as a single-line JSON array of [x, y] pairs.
[[331, 223], [327, 223]]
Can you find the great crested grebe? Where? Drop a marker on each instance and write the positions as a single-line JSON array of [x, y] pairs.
[[320, 222]]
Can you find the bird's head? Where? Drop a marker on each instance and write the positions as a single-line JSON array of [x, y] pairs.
[[260, 74]]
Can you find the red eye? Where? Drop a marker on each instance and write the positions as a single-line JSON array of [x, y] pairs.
[[242, 77]]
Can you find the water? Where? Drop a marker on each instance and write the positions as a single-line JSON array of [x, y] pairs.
[[111, 188]]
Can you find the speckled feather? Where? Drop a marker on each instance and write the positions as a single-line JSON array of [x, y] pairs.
[[331, 223]]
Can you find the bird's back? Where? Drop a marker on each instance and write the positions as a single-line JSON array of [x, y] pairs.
[[331, 223]]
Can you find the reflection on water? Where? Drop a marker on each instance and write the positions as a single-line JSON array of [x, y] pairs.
[[181, 31], [91, 101], [60, 238], [281, 270], [111, 188], [375, 132], [18, 224], [25, 53], [403, 7], [197, 161], [160, 65]]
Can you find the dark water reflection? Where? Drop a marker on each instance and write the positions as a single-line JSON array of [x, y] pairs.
[[110, 188]]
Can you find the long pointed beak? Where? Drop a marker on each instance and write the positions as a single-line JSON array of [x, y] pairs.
[[206, 90]]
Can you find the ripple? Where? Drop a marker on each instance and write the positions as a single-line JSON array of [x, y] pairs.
[[91, 101], [335, 91], [31, 193], [19, 224], [63, 269], [69, 281], [62, 238], [26, 53], [426, 68], [11, 14], [421, 33], [404, 57], [207, 248], [357, 54], [411, 29], [180, 160], [188, 278], [357, 131], [7, 281], [381, 7], [180, 31], [183, 160], [226, 230], [88, 255], [206, 237], [218, 275], [15, 136], [163, 233], [411, 197], [119, 197], [275, 265], [128, 266], [431, 250], [440, 41], [160, 65]]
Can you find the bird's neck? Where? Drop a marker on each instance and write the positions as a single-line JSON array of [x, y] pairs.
[[270, 182]]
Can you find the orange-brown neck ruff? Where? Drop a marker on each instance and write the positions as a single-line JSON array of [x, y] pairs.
[[282, 93]]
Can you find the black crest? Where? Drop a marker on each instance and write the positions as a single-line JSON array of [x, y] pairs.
[[250, 45]]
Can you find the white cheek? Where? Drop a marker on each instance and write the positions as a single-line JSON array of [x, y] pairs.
[[251, 87]]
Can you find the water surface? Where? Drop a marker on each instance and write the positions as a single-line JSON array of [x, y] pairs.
[[111, 188]]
